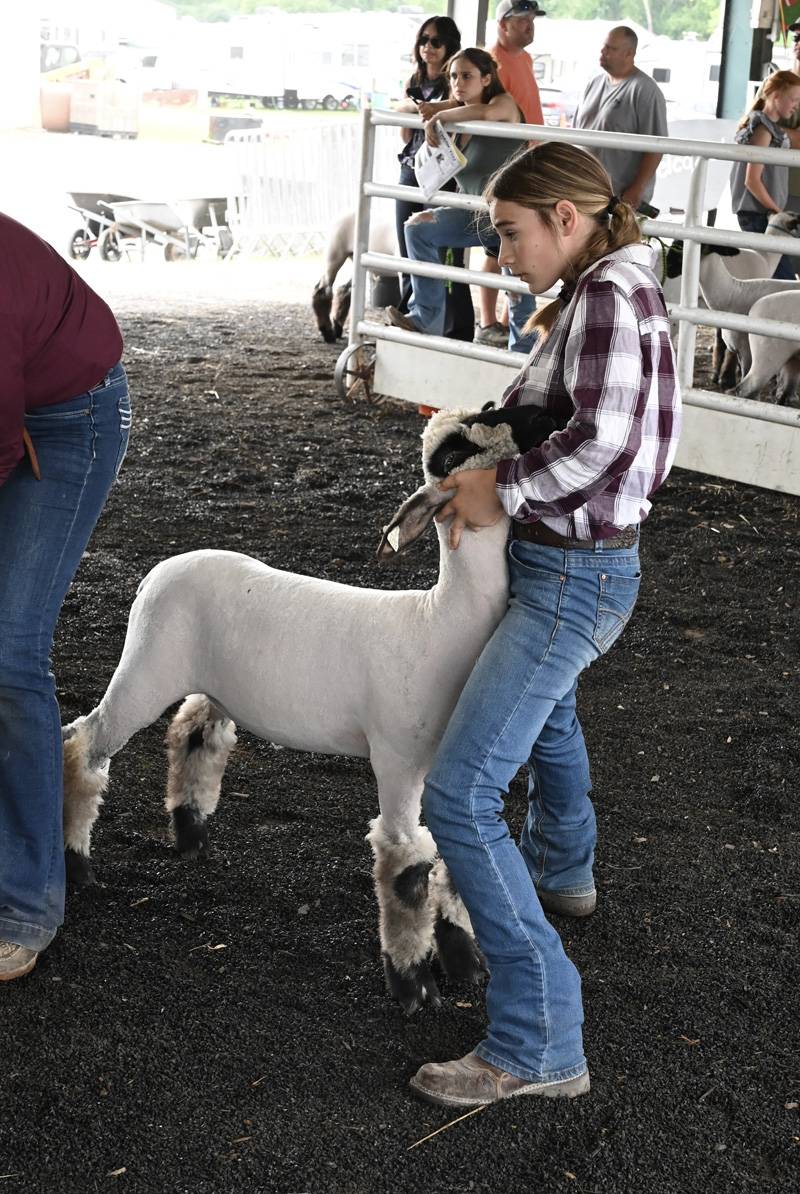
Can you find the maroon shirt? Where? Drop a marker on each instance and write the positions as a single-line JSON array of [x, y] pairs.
[[57, 337]]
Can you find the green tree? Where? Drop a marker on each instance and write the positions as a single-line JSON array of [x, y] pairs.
[[222, 10], [673, 19]]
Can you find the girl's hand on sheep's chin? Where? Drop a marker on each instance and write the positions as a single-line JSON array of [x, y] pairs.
[[474, 504]]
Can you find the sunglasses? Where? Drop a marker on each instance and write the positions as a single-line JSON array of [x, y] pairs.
[[435, 43]]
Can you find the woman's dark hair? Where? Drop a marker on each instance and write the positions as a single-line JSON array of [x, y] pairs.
[[485, 64], [447, 30]]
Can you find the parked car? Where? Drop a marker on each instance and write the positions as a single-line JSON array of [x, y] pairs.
[[558, 107]]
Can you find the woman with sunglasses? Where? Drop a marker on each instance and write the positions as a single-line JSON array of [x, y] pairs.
[[437, 40]]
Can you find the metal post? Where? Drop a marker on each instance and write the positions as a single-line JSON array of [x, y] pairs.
[[737, 41], [690, 278], [358, 294]]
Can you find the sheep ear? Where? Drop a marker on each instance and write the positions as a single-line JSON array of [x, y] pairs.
[[412, 520]]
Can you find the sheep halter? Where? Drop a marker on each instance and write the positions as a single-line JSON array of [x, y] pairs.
[[496, 443]]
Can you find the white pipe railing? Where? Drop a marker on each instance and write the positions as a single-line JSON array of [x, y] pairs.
[[692, 231]]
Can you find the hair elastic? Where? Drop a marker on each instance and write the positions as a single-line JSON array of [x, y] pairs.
[[613, 202]]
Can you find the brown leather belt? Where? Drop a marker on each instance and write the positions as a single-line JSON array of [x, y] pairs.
[[537, 532]]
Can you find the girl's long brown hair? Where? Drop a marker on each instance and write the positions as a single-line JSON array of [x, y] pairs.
[[485, 64], [539, 178]]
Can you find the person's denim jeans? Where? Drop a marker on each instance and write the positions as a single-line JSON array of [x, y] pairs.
[[565, 609], [44, 528], [756, 221], [458, 229]]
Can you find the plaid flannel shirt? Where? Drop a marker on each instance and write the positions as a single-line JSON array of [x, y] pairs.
[[609, 368]]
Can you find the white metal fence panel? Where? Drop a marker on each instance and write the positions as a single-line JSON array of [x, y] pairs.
[[744, 440], [289, 184]]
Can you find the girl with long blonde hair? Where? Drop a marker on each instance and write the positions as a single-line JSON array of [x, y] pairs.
[[603, 368], [758, 191]]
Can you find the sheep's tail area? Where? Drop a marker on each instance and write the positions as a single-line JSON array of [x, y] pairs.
[[199, 740]]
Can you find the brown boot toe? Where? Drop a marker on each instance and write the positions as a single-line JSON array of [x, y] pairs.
[[473, 1082]]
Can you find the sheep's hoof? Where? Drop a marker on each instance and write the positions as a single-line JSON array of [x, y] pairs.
[[412, 988], [191, 831], [459, 955], [79, 868]]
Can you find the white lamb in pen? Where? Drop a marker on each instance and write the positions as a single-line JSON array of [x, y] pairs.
[[319, 666]]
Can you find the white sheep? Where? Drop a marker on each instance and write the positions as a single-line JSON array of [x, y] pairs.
[[312, 665], [330, 307], [722, 268], [770, 357], [722, 292]]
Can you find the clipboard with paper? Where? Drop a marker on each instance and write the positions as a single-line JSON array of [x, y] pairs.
[[434, 165]]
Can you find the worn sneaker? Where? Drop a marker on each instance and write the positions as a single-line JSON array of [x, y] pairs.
[[472, 1082], [399, 320], [494, 335], [15, 960], [561, 903]]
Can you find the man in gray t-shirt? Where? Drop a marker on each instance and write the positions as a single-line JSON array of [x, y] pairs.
[[622, 99]]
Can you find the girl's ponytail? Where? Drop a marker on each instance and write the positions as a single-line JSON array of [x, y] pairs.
[[552, 171]]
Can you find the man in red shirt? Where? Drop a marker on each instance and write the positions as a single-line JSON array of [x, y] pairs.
[[64, 419], [515, 66]]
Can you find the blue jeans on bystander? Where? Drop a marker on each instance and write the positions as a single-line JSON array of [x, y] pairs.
[[458, 229], [566, 608], [44, 528]]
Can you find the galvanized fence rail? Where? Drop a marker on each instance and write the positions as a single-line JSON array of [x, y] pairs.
[[725, 435]]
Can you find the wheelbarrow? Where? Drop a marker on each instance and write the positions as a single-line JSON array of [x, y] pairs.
[[180, 228], [94, 208]]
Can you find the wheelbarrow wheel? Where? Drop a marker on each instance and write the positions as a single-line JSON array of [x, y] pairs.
[[80, 245], [109, 246], [173, 252], [355, 370]]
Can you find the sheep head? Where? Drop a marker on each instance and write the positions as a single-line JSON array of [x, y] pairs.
[[457, 439], [784, 223], [452, 441]]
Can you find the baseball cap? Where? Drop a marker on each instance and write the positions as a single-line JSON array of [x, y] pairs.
[[518, 8]]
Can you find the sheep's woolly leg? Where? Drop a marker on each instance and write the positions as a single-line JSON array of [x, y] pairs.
[[406, 918], [85, 781], [459, 954], [199, 740]]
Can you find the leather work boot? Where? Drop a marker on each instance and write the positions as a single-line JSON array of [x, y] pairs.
[[492, 334], [472, 1082], [15, 960], [399, 320], [560, 903]]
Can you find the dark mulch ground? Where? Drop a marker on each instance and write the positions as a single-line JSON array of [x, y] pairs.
[[223, 1026]]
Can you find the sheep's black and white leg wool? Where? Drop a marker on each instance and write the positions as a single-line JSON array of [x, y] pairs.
[[459, 954], [401, 874], [85, 781], [198, 741]]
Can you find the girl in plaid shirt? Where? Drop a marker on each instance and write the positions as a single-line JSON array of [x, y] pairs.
[[604, 368]]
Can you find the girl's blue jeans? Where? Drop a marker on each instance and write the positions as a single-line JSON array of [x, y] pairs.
[[455, 228], [44, 528], [518, 707]]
